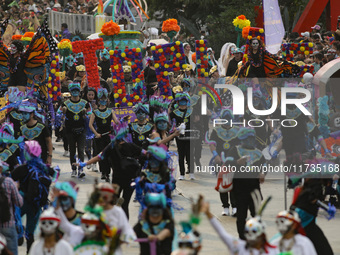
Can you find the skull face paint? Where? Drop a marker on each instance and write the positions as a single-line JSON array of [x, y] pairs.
[[14, 49], [255, 44]]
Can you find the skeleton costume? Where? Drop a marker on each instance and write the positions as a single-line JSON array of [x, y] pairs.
[[49, 222]]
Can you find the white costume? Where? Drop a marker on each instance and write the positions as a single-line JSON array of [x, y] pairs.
[[298, 245], [61, 248], [225, 57]]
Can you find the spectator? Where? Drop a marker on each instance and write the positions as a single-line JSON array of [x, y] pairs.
[[65, 33], [32, 7], [317, 62], [8, 228]]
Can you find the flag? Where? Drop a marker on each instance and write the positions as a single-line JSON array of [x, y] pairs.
[[273, 25]]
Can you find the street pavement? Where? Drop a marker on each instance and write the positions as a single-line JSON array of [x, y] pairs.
[[204, 184]]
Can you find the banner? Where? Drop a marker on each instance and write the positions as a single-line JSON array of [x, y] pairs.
[[123, 111], [273, 25]]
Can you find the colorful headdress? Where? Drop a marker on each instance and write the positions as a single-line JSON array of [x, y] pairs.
[[14, 94], [155, 200], [141, 107], [49, 214], [70, 60], [68, 188], [157, 152], [7, 134], [226, 113], [156, 101], [121, 131], [27, 106], [244, 133], [104, 54], [102, 92], [183, 95], [73, 86], [161, 116]]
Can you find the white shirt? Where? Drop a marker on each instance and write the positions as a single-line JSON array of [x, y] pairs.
[[116, 218], [302, 246], [237, 246], [61, 248]]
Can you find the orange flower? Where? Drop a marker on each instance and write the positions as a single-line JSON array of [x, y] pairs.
[[241, 17], [170, 25], [110, 28], [65, 40], [16, 37], [193, 57], [29, 34], [245, 32]]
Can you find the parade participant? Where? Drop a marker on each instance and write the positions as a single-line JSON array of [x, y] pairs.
[[66, 193], [157, 176], [233, 63], [75, 111], [3, 246], [305, 204], [90, 95], [9, 148], [293, 237], [141, 129], [244, 183], [36, 130], [105, 64], [214, 76], [102, 118], [157, 225], [222, 139], [150, 77], [35, 179], [114, 214], [10, 197], [122, 154], [14, 116], [181, 115], [188, 53], [255, 242], [225, 57], [48, 242]]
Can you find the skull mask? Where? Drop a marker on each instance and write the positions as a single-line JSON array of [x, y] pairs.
[[254, 229], [255, 44], [285, 220], [49, 221], [89, 223], [14, 49]]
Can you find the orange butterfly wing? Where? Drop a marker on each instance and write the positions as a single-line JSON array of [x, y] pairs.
[[39, 52]]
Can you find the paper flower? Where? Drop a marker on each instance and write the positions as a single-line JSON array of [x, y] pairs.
[[65, 44], [170, 25], [16, 37], [110, 28], [241, 22], [245, 32], [27, 36]]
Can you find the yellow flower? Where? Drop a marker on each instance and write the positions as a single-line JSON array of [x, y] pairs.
[[241, 22]]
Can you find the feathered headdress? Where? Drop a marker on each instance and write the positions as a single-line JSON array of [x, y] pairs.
[[156, 101], [161, 116], [158, 152], [183, 95], [142, 107], [121, 131], [7, 134]]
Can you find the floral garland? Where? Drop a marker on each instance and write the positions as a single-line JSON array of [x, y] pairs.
[[202, 62], [54, 79], [306, 69], [117, 58], [291, 49], [175, 62]]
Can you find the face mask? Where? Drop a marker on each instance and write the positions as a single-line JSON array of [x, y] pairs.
[[182, 102], [48, 227], [283, 225], [249, 142], [162, 125], [65, 203], [14, 49], [103, 102], [154, 163], [26, 117], [89, 229], [140, 116], [75, 93]]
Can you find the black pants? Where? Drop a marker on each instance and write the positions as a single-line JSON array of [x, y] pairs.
[[126, 190], [76, 142], [196, 152], [183, 148], [100, 144], [243, 203], [225, 199], [65, 140], [315, 234]]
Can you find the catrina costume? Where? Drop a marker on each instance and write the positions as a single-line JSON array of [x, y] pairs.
[[157, 177], [224, 139], [29, 67]]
